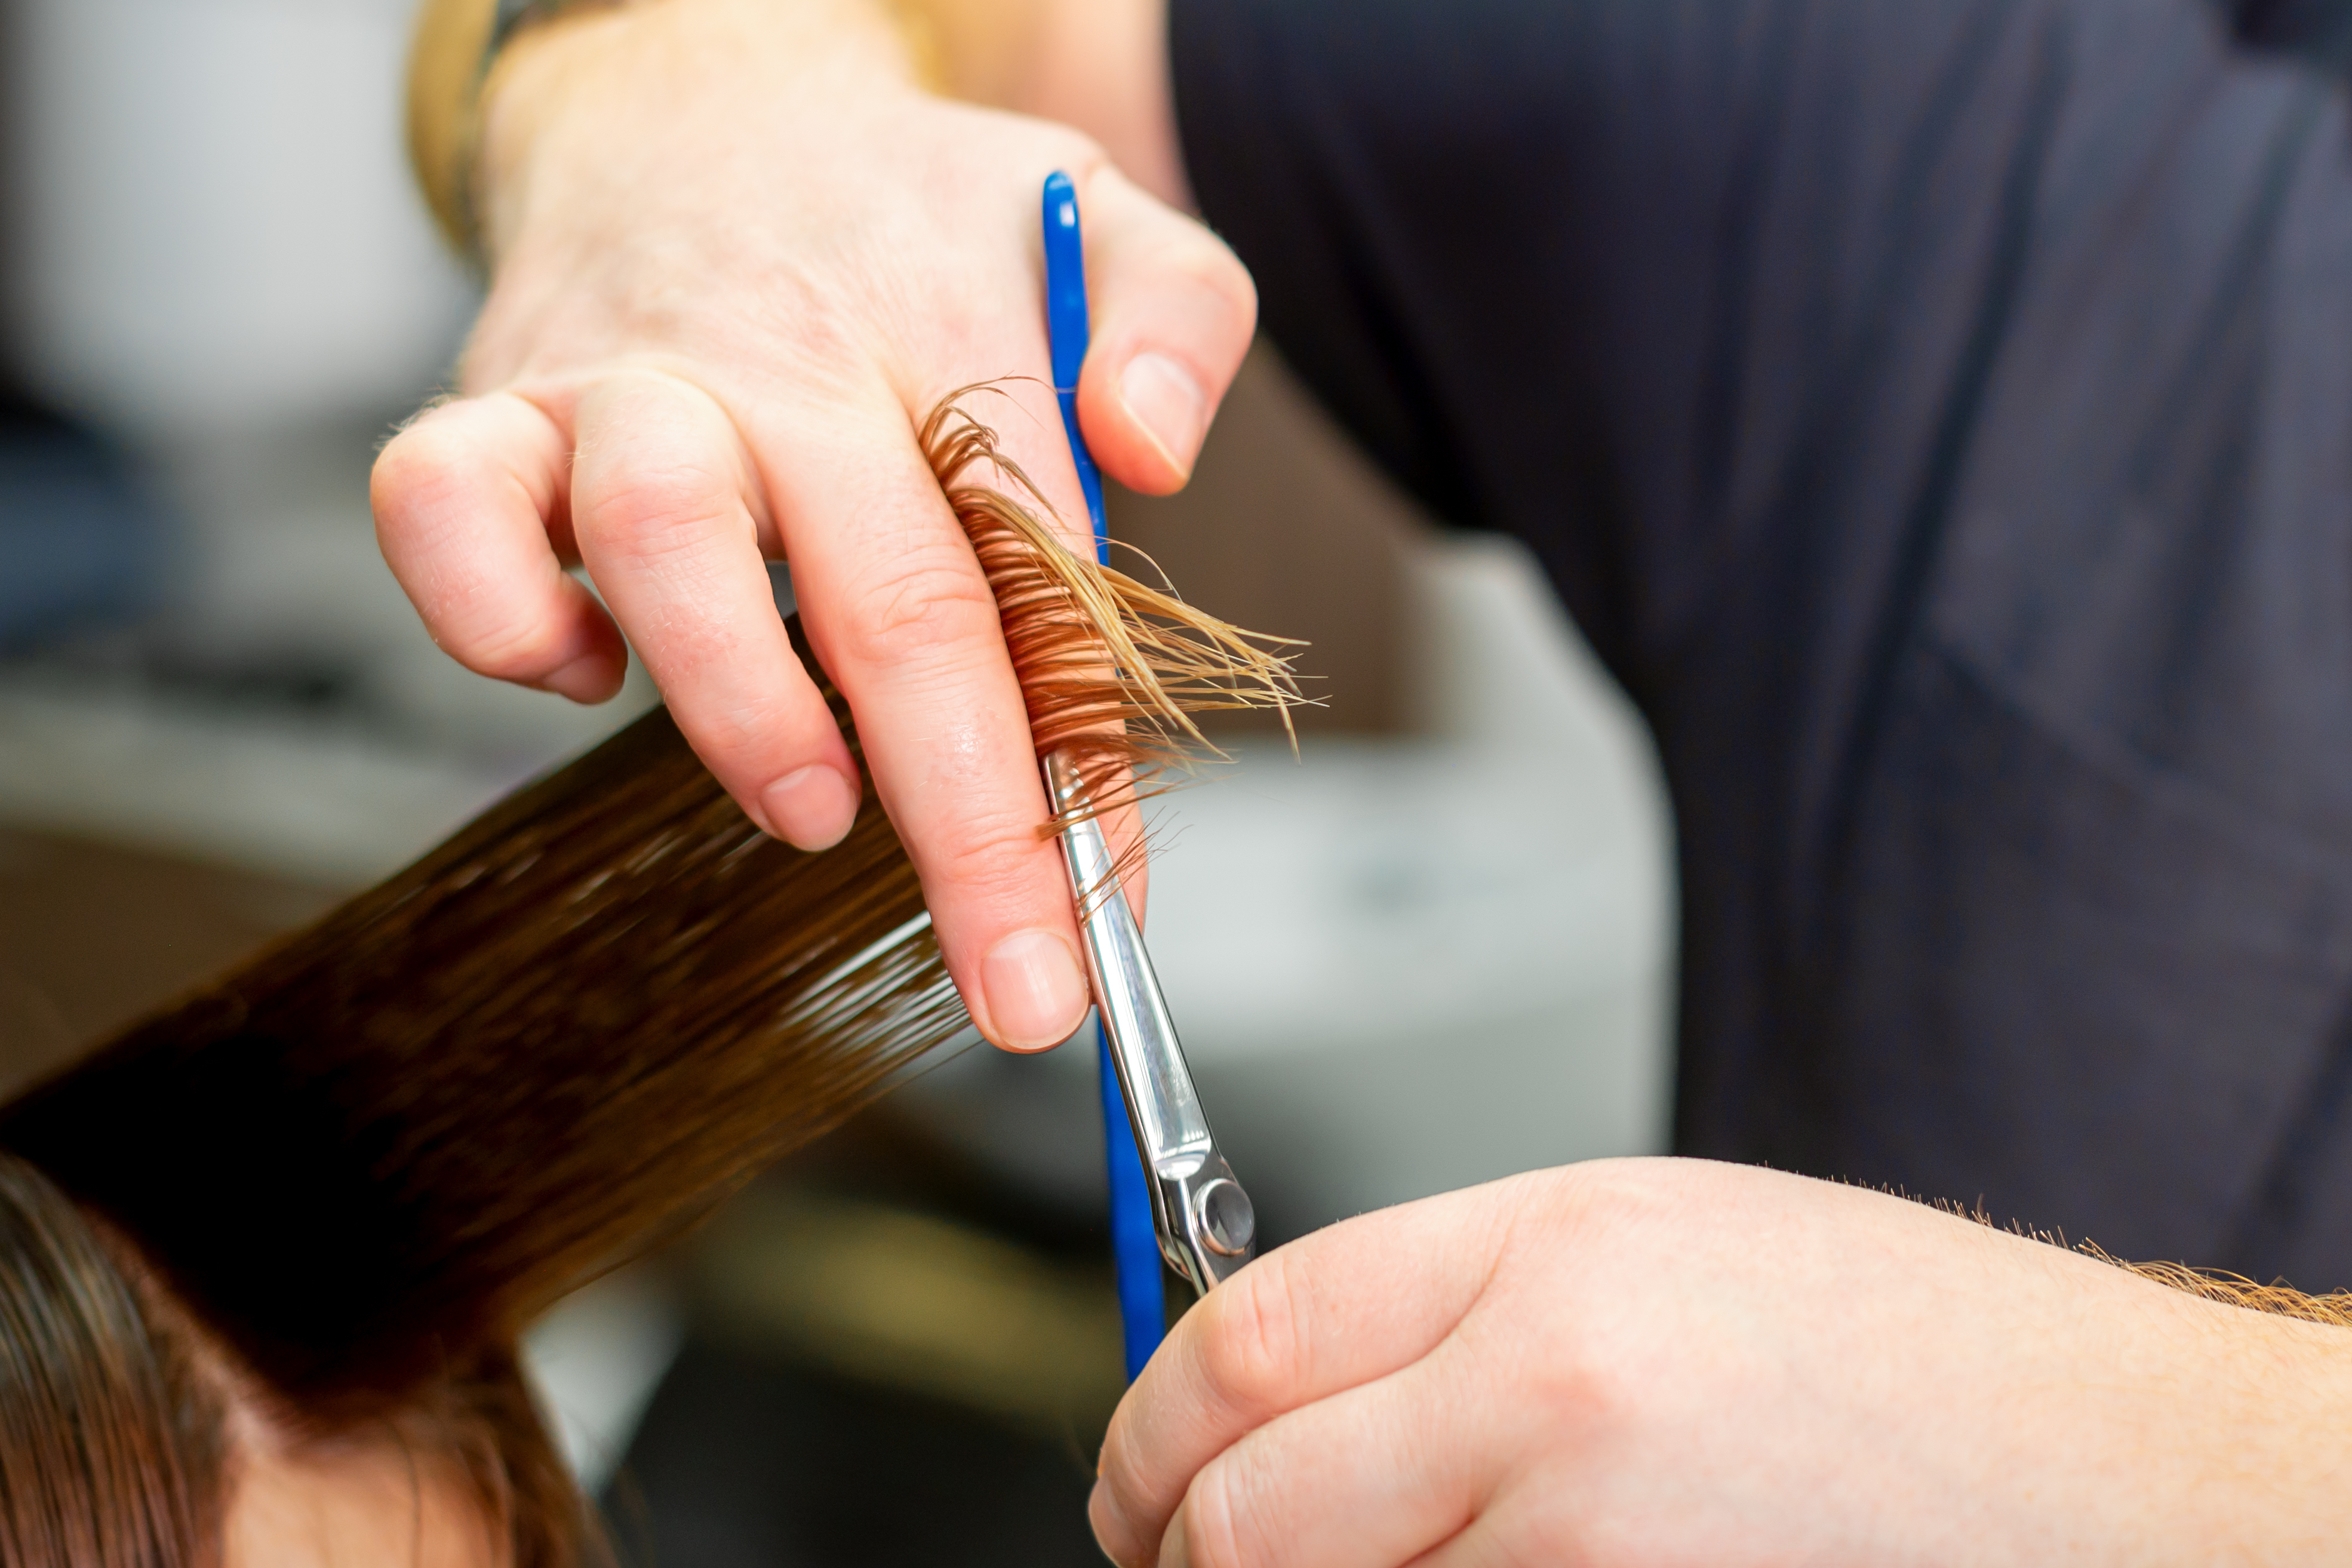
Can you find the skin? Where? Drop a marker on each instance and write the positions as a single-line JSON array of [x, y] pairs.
[[740, 253], [356, 1504], [1676, 1362]]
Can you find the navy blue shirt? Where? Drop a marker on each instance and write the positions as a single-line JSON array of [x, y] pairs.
[[1938, 413]]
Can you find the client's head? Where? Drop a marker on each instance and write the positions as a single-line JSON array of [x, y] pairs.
[[131, 1438]]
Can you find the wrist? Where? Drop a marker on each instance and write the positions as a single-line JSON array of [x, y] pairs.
[[445, 67], [587, 95], [1098, 66]]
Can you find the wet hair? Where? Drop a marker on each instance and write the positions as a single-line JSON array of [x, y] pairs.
[[342, 1177], [110, 1448]]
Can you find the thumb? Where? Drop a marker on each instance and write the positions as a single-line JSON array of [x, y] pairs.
[[1173, 313]]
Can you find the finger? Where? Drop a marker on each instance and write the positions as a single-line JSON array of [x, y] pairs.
[[1173, 314], [1333, 1310], [465, 499], [658, 500], [899, 609], [1378, 1474]]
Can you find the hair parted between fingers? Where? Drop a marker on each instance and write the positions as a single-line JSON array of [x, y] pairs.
[[1112, 669]]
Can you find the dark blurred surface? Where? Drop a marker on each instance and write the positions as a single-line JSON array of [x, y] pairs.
[[1288, 528], [93, 934], [747, 1462], [921, 1376], [83, 540], [2319, 30]]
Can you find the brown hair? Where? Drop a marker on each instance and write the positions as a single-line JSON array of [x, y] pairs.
[[365, 1158], [109, 1449]]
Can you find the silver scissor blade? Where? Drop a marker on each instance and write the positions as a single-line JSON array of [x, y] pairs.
[[1207, 1226]]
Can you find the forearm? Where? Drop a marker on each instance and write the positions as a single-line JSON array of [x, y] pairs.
[[468, 118], [2243, 1424], [570, 103]]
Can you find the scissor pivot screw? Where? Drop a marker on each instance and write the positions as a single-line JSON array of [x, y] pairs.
[[1228, 1223]]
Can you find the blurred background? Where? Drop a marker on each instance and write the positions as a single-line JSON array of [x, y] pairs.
[[1434, 948]]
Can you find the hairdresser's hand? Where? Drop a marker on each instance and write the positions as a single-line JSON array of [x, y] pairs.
[[740, 255], [1670, 1362]]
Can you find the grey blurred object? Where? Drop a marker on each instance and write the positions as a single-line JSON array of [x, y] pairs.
[[596, 1360], [214, 224]]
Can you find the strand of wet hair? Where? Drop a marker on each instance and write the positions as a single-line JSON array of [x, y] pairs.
[[1114, 670]]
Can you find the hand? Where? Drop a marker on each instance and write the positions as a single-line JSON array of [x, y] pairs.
[[740, 255], [1672, 1362]]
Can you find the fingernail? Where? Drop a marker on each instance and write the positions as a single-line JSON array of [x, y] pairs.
[[1037, 994], [590, 677], [1169, 404], [810, 809], [1172, 1552]]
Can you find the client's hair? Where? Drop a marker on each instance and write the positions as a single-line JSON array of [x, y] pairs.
[[110, 1438], [339, 1181]]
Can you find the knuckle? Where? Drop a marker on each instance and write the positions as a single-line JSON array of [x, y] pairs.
[[651, 508], [1582, 1390], [994, 861], [1066, 147], [756, 739], [1215, 1511], [934, 600], [1194, 265], [1257, 1346], [399, 469], [1121, 1468], [502, 646], [1212, 267], [420, 475], [487, 625]]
